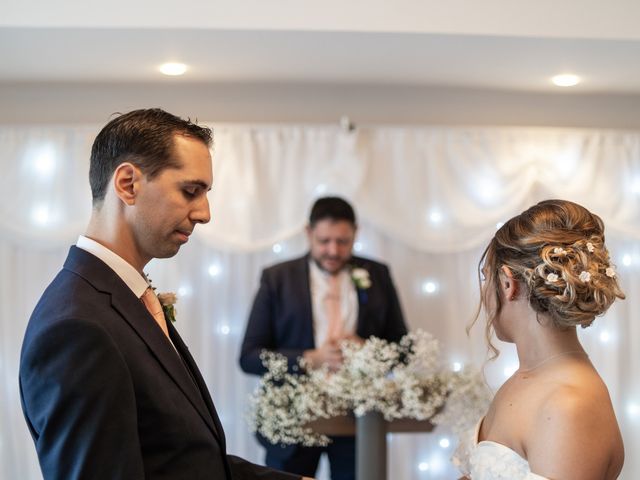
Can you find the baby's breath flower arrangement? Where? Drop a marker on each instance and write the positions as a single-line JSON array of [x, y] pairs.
[[399, 380]]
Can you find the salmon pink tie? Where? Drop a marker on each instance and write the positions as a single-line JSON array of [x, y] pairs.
[[332, 305], [152, 303]]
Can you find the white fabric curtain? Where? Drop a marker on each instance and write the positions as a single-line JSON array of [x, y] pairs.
[[428, 201]]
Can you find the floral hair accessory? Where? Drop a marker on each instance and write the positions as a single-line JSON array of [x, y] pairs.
[[610, 272], [168, 300], [585, 276], [552, 278], [590, 247], [559, 251], [360, 277]]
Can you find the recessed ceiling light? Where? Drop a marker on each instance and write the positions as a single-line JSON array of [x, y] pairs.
[[173, 69], [566, 80]]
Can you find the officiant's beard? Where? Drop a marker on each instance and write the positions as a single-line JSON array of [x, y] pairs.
[[332, 265]]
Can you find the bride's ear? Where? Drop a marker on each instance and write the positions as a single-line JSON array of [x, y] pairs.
[[508, 284]]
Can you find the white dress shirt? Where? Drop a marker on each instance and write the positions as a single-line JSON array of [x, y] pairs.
[[319, 285], [129, 275]]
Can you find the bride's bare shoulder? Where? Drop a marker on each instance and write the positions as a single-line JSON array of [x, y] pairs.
[[576, 434]]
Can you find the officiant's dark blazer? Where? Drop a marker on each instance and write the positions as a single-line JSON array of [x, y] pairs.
[[106, 395], [281, 318]]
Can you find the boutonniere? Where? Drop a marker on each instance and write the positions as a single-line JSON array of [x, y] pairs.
[[360, 278], [168, 300]]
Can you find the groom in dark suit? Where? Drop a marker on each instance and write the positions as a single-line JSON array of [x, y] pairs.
[[305, 307], [108, 388]]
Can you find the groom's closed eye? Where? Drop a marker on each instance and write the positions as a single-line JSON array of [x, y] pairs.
[[194, 188]]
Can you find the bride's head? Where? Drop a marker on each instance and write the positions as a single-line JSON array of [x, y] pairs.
[[555, 252]]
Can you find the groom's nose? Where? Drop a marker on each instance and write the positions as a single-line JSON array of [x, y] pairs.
[[201, 212]]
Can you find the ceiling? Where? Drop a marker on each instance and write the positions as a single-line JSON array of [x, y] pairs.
[[494, 44]]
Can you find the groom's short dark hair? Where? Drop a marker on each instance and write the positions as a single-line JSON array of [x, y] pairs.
[[143, 137], [332, 208]]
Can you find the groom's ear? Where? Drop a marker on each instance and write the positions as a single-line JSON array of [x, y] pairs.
[[126, 182]]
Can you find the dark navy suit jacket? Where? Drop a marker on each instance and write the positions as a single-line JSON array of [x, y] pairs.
[[281, 318], [105, 394]]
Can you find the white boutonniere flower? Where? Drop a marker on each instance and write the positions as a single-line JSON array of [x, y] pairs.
[[168, 301], [360, 278]]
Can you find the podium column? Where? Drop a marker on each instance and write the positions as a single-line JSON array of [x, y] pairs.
[[371, 447]]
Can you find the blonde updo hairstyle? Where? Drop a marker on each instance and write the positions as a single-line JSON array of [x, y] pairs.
[[556, 251]]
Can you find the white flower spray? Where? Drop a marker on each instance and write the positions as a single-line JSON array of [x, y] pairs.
[[399, 380]]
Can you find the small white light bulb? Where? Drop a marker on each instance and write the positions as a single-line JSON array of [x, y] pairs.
[[173, 69], [320, 189], [565, 80], [435, 216], [429, 287], [44, 163], [40, 215]]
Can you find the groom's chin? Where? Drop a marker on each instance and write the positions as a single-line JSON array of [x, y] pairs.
[[168, 252]]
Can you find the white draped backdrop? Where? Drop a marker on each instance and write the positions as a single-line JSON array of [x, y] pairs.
[[428, 200]]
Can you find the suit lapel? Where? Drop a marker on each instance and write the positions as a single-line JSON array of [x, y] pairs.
[[136, 315], [199, 382], [304, 293], [133, 311], [362, 296]]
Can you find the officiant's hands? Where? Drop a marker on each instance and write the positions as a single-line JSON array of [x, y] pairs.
[[329, 354]]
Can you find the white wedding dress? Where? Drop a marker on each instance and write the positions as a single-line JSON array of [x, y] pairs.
[[489, 460]]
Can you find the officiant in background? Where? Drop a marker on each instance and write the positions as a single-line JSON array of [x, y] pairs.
[[306, 306]]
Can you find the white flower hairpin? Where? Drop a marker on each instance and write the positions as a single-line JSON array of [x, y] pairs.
[[559, 251], [552, 278], [585, 276], [610, 272], [590, 247]]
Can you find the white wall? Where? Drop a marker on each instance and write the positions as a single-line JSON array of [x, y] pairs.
[[308, 103]]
